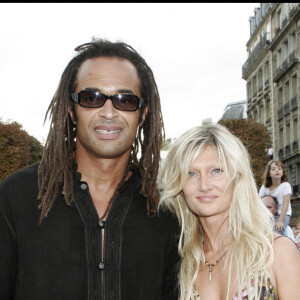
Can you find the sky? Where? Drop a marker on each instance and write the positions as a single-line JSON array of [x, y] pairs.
[[195, 50]]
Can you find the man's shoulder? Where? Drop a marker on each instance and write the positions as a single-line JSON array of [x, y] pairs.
[[167, 217], [20, 178]]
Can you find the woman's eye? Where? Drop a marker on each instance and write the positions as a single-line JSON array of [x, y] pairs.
[[191, 174], [217, 171]]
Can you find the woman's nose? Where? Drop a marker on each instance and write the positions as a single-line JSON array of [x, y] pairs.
[[204, 184]]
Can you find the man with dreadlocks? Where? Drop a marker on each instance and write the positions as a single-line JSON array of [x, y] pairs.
[[82, 224]]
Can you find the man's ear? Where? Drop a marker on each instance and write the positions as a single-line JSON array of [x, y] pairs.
[[71, 114], [143, 116]]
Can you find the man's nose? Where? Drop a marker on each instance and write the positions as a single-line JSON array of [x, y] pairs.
[[108, 111]]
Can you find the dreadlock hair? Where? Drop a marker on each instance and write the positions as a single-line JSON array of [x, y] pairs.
[[55, 173]]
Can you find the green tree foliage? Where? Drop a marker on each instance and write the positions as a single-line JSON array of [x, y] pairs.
[[256, 139], [18, 149], [166, 144]]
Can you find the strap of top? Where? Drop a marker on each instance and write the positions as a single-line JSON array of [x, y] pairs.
[[279, 236]]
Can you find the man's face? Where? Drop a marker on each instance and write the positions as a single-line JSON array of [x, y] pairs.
[[106, 131], [270, 204], [296, 229]]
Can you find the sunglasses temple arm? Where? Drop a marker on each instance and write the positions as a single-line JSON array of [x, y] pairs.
[[141, 104], [74, 97]]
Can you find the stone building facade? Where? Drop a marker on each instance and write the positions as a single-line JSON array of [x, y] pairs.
[[272, 72]]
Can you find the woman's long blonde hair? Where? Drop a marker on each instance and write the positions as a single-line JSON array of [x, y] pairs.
[[250, 222]]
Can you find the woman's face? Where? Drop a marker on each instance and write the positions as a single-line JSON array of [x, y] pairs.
[[208, 191], [276, 172]]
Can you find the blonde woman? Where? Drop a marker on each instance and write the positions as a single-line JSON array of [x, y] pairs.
[[227, 244]]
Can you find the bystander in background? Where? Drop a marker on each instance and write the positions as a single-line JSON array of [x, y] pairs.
[[272, 204], [295, 225], [275, 184]]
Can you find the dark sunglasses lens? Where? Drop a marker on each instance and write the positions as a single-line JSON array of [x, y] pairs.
[[89, 99], [126, 102]]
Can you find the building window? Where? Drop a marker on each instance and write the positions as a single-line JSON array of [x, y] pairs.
[[279, 58], [268, 108], [293, 42], [289, 174], [281, 138], [298, 173], [295, 130], [254, 86], [255, 115], [280, 98], [260, 79], [287, 134], [279, 19], [285, 50], [286, 92], [249, 92], [267, 71], [261, 114], [294, 85], [268, 31]]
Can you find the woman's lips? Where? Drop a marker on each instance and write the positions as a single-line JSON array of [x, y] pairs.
[[207, 198]]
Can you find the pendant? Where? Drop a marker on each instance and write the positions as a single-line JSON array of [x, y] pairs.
[[210, 266]]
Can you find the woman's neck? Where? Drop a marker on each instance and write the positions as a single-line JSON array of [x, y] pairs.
[[214, 233]]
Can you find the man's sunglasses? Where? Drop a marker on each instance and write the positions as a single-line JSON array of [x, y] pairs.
[[125, 102]]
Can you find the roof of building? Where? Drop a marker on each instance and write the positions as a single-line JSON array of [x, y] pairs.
[[235, 110]]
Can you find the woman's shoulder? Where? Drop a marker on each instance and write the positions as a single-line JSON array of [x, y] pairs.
[[279, 239], [284, 249], [286, 261]]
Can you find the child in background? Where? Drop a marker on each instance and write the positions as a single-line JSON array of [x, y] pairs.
[[276, 185]]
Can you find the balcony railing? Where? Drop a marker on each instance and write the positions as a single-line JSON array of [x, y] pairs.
[[287, 150], [285, 64], [294, 103], [280, 113], [295, 146], [277, 29], [284, 21], [296, 189], [292, 11], [278, 71], [280, 154], [286, 108], [292, 56], [267, 82], [255, 54]]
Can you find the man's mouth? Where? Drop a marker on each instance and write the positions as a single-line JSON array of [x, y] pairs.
[[103, 131]]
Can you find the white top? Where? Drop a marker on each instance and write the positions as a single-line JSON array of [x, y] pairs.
[[283, 189], [290, 233]]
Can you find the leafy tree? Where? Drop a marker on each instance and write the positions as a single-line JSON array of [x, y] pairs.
[[166, 144], [18, 149], [256, 139]]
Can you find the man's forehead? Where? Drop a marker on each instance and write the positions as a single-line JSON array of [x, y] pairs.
[[268, 200]]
